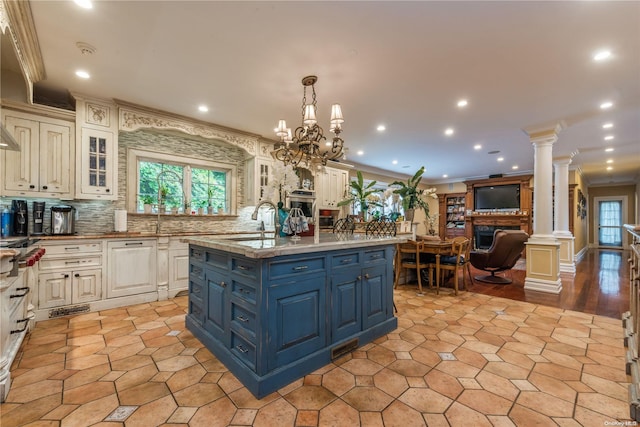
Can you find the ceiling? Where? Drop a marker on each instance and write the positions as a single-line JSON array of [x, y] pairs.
[[520, 65]]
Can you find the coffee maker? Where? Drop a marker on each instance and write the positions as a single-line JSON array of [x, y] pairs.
[[20, 217], [38, 217]]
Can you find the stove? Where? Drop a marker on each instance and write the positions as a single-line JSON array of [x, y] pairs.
[[16, 311]]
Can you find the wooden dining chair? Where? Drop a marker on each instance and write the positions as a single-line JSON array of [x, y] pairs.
[[408, 258], [456, 262]]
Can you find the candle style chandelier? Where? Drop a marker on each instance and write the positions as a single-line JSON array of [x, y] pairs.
[[303, 146]]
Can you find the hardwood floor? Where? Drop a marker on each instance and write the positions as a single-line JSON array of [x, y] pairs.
[[600, 286]]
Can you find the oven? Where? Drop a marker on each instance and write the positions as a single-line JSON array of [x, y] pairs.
[[16, 311], [304, 200]]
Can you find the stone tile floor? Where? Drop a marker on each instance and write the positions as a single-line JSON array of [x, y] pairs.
[[471, 360]]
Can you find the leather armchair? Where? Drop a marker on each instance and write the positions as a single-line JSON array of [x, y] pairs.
[[505, 250]]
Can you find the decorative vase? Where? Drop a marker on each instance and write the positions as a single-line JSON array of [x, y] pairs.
[[147, 208], [200, 211], [282, 217], [174, 210], [408, 214], [162, 208], [210, 210]]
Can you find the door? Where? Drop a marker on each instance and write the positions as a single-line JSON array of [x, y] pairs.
[[86, 286], [54, 289], [21, 167], [346, 303], [610, 213], [55, 155]]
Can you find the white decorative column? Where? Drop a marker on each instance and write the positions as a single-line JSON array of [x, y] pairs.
[[543, 261], [561, 214]]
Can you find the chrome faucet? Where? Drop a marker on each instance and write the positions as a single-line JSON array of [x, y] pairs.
[[159, 178], [254, 216]]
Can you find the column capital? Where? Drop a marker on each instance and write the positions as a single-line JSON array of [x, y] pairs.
[[562, 161], [541, 134]]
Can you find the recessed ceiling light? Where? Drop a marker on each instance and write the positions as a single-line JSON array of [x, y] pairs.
[[448, 131], [500, 159], [463, 103], [602, 55], [85, 4], [609, 161], [608, 150], [477, 147], [381, 128], [607, 126], [360, 152], [82, 74], [514, 167], [605, 105], [203, 108], [609, 168], [608, 137], [445, 176], [395, 162]]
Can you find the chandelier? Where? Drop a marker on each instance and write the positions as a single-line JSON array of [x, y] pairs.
[[303, 146]]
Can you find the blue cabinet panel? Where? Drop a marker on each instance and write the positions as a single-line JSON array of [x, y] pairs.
[[216, 312], [346, 310], [374, 294], [297, 322], [293, 267]]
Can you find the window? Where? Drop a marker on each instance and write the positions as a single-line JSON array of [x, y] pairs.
[[178, 182], [610, 224]]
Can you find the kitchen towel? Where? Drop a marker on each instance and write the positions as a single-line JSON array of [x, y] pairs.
[[120, 220]]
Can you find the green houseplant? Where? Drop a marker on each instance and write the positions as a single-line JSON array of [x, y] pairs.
[[147, 201], [361, 194], [412, 197]]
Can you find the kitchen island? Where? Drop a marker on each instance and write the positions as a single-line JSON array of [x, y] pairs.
[[275, 310]]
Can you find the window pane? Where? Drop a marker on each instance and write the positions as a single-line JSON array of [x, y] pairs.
[[610, 227], [170, 178], [208, 187]]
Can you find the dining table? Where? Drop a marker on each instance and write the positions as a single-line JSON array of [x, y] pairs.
[[437, 247]]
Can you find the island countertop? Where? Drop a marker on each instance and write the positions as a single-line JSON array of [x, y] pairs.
[[269, 248]]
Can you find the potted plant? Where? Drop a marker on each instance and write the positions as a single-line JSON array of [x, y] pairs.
[[163, 191], [362, 195], [412, 197], [201, 205], [147, 202], [210, 200], [220, 209]]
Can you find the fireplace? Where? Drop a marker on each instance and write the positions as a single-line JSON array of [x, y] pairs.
[[483, 234]]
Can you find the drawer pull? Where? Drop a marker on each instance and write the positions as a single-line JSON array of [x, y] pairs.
[[72, 262], [24, 328], [243, 319], [72, 248], [346, 261], [241, 349], [244, 291], [26, 291], [242, 267], [376, 256], [133, 244], [300, 268]]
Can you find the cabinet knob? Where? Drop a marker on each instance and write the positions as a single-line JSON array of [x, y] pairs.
[[66, 276], [77, 275], [32, 186], [366, 276], [223, 285], [44, 187], [107, 190]]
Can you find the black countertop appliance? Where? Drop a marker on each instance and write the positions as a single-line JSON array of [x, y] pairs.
[[20, 217]]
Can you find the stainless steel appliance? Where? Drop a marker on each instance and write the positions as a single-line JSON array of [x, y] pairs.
[[20, 217], [63, 219], [304, 200], [38, 217]]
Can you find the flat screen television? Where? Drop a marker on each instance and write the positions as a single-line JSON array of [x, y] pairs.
[[501, 197]]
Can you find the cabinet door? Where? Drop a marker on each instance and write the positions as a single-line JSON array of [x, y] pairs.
[[374, 298], [217, 305], [55, 159], [178, 269], [54, 289], [98, 165], [258, 174], [346, 303], [86, 286], [131, 267], [21, 167], [297, 325]]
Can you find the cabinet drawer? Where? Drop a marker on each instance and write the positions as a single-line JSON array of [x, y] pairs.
[[244, 266], [73, 248], [196, 271], [243, 319], [244, 350], [216, 259], [374, 255], [195, 309], [46, 264], [195, 288], [244, 291], [197, 254], [345, 260], [296, 267]]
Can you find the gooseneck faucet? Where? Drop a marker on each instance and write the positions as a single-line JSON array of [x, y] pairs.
[[159, 179], [254, 216]]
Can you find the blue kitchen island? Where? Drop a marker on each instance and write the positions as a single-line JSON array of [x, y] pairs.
[[273, 311]]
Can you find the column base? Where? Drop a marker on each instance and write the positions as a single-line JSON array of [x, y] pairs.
[[567, 262], [543, 265]]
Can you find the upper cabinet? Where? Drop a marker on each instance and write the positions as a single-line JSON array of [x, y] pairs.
[[44, 166], [258, 173], [96, 149], [331, 184]]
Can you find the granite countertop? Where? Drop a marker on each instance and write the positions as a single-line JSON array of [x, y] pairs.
[[268, 248], [140, 235]]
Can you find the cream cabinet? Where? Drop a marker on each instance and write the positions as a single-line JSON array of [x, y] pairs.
[[70, 273], [258, 173], [44, 166], [96, 149], [178, 266], [331, 184], [131, 267]]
